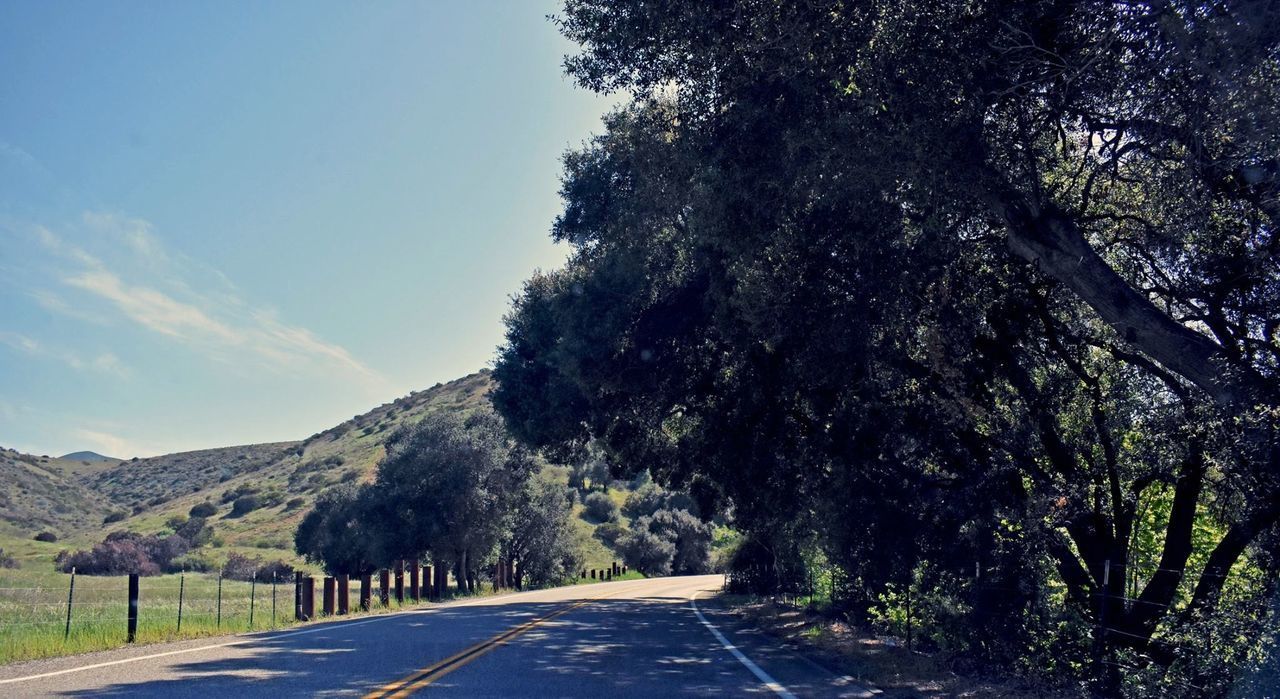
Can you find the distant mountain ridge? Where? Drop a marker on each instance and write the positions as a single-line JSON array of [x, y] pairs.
[[87, 456]]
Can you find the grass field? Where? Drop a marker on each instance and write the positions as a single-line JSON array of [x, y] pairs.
[[33, 609]]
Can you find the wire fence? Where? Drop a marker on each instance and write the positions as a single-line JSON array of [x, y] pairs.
[[68, 613]]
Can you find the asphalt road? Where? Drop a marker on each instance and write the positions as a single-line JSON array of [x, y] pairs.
[[640, 638]]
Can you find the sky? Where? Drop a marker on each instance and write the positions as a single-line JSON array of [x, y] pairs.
[[230, 223]]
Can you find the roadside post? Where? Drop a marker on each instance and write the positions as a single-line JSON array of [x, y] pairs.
[[71, 594], [344, 594], [133, 609], [330, 592]]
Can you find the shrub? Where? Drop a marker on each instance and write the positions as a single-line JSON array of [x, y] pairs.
[[195, 531], [48, 537], [175, 522], [601, 507], [295, 503], [244, 505], [112, 557], [238, 492], [647, 552], [204, 509], [7, 561], [116, 516], [194, 561], [277, 570], [242, 567], [609, 533]]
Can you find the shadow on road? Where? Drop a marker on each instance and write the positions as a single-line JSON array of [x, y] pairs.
[[650, 646]]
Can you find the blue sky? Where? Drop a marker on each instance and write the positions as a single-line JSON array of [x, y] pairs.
[[231, 223]]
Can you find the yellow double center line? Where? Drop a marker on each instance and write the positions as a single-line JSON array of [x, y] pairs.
[[421, 678]]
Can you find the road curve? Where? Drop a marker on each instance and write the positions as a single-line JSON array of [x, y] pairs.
[[638, 638]]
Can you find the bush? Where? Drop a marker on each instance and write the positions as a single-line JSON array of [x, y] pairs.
[[175, 522], [195, 531], [116, 516], [7, 561], [647, 552], [48, 537], [601, 507], [194, 561], [242, 567], [238, 492], [295, 503], [204, 509], [610, 533], [244, 505]]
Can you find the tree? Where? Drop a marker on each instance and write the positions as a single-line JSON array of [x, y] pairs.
[[647, 552], [541, 541], [450, 485], [922, 270], [339, 534]]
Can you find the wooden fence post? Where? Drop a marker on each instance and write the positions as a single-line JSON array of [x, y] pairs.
[[366, 592], [415, 582], [309, 598], [384, 587], [400, 582], [344, 594], [330, 592], [297, 596], [132, 634]]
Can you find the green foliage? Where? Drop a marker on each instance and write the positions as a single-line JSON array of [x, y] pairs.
[[647, 552], [47, 537], [203, 509], [936, 288], [336, 533], [245, 504], [116, 516], [600, 507]]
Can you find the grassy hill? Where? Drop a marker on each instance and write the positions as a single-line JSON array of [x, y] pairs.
[[81, 500]]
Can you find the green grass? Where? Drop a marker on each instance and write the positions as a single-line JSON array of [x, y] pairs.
[[33, 609]]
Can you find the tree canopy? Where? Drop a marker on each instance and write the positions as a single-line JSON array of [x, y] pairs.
[[936, 287]]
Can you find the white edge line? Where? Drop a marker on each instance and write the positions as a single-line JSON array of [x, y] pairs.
[[265, 636], [242, 641], [756, 670]]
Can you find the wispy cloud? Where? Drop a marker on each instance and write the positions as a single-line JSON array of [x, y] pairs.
[[214, 321], [107, 444], [104, 363]]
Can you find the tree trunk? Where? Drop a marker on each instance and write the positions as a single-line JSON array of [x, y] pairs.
[[460, 572]]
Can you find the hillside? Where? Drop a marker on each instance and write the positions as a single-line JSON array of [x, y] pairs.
[[80, 500], [72, 498], [39, 493]]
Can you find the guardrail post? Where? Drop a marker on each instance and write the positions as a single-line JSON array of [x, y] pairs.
[[415, 582], [297, 596], [384, 587], [344, 594], [132, 634], [330, 591], [400, 582], [366, 592]]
